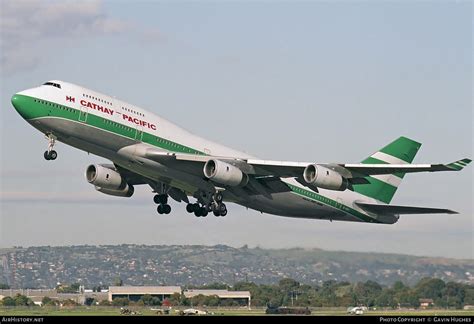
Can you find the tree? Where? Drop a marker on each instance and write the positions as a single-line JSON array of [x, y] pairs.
[[22, 300], [149, 300], [175, 299], [469, 295], [72, 289], [4, 286], [398, 286], [409, 298], [288, 284], [75, 287], [46, 301], [453, 295], [104, 303], [430, 288], [215, 285], [120, 302], [69, 303], [386, 299], [8, 301], [155, 301], [212, 301]]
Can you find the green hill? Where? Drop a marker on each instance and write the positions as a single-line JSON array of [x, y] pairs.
[[44, 267]]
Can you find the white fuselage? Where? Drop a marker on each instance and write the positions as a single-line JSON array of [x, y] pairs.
[[136, 128]]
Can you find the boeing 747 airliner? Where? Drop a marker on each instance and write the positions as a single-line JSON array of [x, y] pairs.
[[145, 149]]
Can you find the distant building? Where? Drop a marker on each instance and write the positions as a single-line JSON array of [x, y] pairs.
[[134, 293], [426, 303], [37, 295], [242, 297]]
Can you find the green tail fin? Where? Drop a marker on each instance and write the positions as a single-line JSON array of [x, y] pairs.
[[383, 187]]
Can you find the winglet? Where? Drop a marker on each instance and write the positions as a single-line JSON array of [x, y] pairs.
[[459, 165]]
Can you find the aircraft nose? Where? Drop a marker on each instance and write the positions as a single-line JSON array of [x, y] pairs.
[[21, 105], [16, 101]]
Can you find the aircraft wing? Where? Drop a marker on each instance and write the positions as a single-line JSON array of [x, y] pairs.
[[131, 177], [294, 169], [264, 184], [286, 169], [377, 169]]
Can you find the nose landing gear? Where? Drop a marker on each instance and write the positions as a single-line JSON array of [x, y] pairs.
[[51, 154]]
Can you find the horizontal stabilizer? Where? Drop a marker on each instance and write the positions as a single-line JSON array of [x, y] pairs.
[[401, 210]]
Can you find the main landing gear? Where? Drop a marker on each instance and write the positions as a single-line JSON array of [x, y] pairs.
[[51, 154], [217, 207], [162, 201], [207, 202]]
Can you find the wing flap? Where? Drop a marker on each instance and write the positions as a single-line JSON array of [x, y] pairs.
[[402, 210]]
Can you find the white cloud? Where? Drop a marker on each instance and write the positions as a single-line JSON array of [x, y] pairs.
[[24, 24]]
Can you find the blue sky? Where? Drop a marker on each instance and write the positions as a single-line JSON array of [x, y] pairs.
[[308, 81]]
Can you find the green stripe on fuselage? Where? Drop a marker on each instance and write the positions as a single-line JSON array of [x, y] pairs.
[[32, 108], [332, 203]]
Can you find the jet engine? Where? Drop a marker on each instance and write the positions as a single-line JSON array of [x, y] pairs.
[[324, 178], [108, 181], [225, 173]]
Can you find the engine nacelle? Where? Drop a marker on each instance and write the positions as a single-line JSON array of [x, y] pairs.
[[108, 181], [125, 192], [325, 178], [225, 173]]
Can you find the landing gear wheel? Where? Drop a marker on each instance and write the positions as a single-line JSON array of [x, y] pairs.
[[53, 155], [197, 212], [163, 209], [159, 209], [204, 211], [190, 208], [46, 155], [161, 199], [216, 213], [222, 209]]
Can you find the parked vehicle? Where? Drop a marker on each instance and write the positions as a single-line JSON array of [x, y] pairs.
[[193, 311], [288, 310]]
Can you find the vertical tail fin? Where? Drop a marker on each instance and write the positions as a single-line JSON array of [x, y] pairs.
[[383, 187]]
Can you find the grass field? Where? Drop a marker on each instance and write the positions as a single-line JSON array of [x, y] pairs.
[[145, 311]]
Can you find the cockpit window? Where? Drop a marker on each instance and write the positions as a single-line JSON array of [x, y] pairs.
[[57, 85]]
